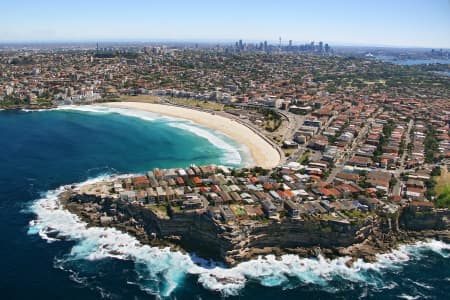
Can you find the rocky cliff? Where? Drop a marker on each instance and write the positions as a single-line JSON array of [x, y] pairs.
[[233, 243], [438, 219]]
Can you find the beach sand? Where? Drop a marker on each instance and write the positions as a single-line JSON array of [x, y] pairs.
[[262, 152]]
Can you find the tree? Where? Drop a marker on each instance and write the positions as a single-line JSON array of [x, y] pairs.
[[436, 171], [393, 181]]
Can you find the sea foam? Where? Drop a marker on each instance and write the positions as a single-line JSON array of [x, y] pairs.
[[161, 271], [233, 154]]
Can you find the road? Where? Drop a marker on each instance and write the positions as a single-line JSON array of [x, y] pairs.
[[294, 122], [407, 141], [340, 163], [396, 190]]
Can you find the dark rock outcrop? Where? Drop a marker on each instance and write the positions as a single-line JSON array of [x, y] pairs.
[[233, 243]]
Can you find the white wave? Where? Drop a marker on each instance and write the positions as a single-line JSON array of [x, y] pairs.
[[423, 285], [161, 271], [37, 110], [98, 109], [438, 247], [231, 153], [408, 297]]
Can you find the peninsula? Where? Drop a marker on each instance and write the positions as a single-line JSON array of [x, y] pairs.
[[233, 215]]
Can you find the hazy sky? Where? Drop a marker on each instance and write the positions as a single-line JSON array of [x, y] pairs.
[[377, 22]]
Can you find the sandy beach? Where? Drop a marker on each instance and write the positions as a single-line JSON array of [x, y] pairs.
[[262, 152]]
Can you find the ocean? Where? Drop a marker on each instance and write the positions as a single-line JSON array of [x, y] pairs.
[[47, 253], [412, 61]]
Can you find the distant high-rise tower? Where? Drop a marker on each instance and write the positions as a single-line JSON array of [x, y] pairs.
[[290, 43]]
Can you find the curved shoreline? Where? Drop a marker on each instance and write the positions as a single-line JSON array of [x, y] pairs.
[[262, 152]]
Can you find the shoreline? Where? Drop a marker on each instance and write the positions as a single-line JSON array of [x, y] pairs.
[[367, 250], [229, 279], [263, 154]]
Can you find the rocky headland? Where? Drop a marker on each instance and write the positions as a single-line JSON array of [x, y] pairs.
[[233, 242]]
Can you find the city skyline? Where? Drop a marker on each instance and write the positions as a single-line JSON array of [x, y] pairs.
[[399, 24]]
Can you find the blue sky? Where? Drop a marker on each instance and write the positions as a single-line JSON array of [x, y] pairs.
[[423, 23]]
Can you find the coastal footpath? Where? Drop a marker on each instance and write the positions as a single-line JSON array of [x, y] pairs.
[[220, 214]]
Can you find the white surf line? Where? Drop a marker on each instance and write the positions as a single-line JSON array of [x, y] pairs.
[[233, 155], [169, 268]]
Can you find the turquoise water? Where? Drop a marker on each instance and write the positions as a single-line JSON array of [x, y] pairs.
[[47, 253]]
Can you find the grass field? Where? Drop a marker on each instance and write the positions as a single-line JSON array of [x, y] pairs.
[[442, 188], [160, 210], [198, 103], [187, 102], [140, 98]]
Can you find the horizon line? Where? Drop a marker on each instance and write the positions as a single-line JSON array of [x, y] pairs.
[[212, 41]]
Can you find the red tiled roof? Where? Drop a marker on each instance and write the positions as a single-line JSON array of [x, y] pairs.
[[180, 181], [254, 179], [267, 186], [421, 204], [140, 180]]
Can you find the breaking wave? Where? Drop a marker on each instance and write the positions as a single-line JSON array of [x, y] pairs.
[[233, 154], [98, 109], [161, 271]]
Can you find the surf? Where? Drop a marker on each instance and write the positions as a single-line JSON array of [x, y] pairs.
[[161, 271], [233, 154]]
